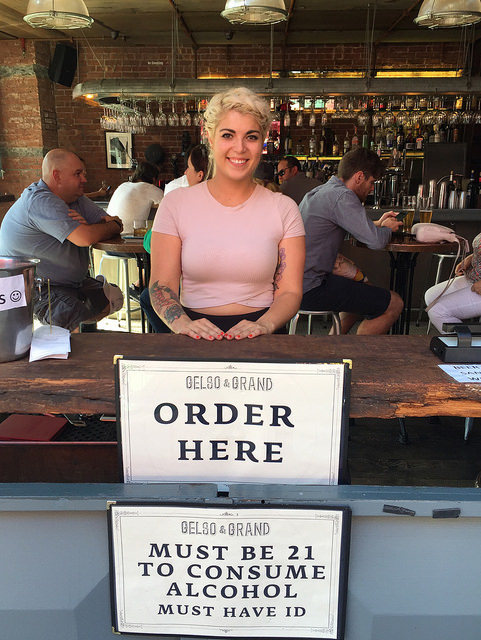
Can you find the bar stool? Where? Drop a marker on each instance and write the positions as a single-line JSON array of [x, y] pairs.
[[122, 258], [441, 257], [336, 321]]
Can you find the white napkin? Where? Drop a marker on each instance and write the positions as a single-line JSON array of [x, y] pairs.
[[50, 342]]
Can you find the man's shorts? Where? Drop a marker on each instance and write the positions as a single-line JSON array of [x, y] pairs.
[[341, 294], [70, 305]]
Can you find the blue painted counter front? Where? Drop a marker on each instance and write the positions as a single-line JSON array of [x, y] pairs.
[[412, 577]]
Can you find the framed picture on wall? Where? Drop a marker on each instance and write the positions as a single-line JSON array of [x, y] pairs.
[[118, 147]]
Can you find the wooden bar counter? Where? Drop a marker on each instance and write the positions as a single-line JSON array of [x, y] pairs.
[[392, 376]]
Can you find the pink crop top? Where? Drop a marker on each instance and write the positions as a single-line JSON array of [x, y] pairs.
[[229, 254]]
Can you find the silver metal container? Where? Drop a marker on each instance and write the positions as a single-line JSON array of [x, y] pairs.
[[462, 199], [443, 196], [453, 200], [16, 324]]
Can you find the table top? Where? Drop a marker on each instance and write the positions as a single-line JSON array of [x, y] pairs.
[[408, 244], [392, 376], [121, 245]]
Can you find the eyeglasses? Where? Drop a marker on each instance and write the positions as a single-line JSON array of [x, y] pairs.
[[282, 172]]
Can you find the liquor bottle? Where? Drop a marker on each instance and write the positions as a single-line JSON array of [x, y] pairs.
[[451, 186], [472, 192], [400, 138], [300, 147], [346, 145], [419, 139], [335, 146], [389, 139], [365, 140], [288, 143], [270, 144], [277, 142], [437, 133], [355, 139], [455, 134], [322, 143], [410, 142], [313, 143]]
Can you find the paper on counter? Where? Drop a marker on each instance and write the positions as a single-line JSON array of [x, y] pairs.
[[50, 342], [463, 372]]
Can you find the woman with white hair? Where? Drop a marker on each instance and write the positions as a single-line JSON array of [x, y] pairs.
[[236, 248]]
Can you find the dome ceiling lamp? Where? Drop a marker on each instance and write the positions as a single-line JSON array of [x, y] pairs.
[[58, 14], [448, 13], [254, 11]]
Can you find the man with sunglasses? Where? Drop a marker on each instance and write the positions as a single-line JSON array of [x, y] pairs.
[[294, 182], [329, 212]]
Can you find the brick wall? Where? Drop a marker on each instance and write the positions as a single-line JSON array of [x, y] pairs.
[[37, 115]]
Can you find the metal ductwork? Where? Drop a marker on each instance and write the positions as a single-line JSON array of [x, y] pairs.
[[190, 87]]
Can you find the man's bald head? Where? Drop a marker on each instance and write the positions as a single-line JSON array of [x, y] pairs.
[[56, 159], [64, 174]]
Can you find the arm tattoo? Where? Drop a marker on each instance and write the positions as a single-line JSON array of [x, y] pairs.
[[165, 302], [281, 266]]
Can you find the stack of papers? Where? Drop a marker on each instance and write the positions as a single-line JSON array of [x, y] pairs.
[[50, 342]]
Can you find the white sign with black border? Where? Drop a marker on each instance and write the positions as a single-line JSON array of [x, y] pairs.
[[229, 571], [263, 422]]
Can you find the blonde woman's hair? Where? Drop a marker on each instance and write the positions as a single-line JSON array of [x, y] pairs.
[[238, 99]]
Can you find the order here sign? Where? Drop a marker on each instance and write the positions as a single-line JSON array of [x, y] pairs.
[[232, 421]]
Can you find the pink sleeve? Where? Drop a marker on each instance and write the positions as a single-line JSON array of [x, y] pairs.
[[292, 219], [165, 219]]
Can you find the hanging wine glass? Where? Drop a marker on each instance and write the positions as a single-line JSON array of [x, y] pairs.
[[324, 118], [148, 118], [198, 120], [300, 116], [160, 117], [363, 118], [312, 117], [467, 115], [287, 118], [105, 119], [388, 119], [173, 118], [185, 119], [351, 113]]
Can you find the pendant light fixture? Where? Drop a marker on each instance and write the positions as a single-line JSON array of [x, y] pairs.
[[448, 13], [254, 11], [58, 14]]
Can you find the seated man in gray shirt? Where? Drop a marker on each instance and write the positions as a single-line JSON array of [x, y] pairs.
[[329, 212], [294, 182], [54, 222]]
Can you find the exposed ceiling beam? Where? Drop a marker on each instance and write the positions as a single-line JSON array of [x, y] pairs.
[[403, 15]]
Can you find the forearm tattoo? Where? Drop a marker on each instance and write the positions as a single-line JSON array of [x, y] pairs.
[[281, 266], [165, 302]]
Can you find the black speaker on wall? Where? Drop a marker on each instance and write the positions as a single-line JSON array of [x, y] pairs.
[[63, 65]]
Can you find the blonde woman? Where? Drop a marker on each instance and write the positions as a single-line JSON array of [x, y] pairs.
[[237, 248]]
